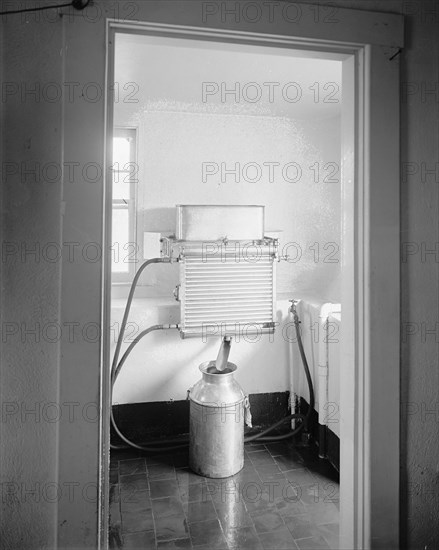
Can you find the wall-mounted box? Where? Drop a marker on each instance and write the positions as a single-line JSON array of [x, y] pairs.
[[218, 222]]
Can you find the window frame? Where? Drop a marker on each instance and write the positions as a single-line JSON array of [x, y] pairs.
[[131, 254]]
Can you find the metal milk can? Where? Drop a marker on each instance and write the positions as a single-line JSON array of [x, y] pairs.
[[217, 409]]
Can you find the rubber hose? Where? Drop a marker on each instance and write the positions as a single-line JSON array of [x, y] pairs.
[[128, 306], [182, 442], [116, 368], [114, 375]]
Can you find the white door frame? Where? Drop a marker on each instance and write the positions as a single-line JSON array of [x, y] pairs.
[[369, 44]]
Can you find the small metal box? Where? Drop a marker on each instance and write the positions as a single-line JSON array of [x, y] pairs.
[[218, 222]]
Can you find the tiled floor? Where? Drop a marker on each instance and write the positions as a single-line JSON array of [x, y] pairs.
[[284, 498]]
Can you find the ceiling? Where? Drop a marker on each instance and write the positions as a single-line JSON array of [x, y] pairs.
[[174, 74]]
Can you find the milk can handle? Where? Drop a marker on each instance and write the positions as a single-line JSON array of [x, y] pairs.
[[247, 413]]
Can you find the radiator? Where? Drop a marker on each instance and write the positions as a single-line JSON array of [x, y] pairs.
[[227, 287]]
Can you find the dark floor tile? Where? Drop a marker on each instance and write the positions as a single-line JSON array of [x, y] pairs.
[[312, 543], [282, 489], [114, 493], [194, 493], [267, 468], [199, 511], [323, 513], [124, 454], [185, 476], [207, 533], [161, 471], [137, 541], [333, 541], [324, 472], [114, 476], [267, 493], [181, 459], [280, 539], [286, 463], [301, 527], [300, 477], [179, 544], [251, 488], [163, 488], [246, 475], [132, 466], [329, 529], [243, 538], [254, 446], [279, 448], [328, 491], [137, 520], [115, 518], [217, 546], [155, 458], [233, 514], [132, 483], [311, 495], [261, 457], [248, 466], [171, 527], [317, 493], [224, 490], [267, 520], [168, 506], [269, 480], [330, 532], [309, 453], [290, 508], [139, 500], [258, 500]]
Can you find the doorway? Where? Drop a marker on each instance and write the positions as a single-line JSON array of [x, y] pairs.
[[228, 124], [355, 63]]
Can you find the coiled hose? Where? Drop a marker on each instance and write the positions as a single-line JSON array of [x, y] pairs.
[[179, 443]]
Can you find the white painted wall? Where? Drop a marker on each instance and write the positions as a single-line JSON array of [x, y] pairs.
[[164, 367], [31, 217], [177, 134], [172, 148]]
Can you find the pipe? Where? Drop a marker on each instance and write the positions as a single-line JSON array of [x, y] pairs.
[[115, 373], [128, 306], [325, 311], [183, 442], [117, 366]]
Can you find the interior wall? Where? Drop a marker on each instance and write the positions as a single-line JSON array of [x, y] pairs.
[[419, 66], [186, 149], [31, 279], [304, 214], [30, 452]]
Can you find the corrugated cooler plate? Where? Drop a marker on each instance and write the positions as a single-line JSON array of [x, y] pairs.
[[226, 294]]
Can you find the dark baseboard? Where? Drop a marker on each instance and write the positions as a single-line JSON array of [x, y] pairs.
[[331, 441], [144, 421]]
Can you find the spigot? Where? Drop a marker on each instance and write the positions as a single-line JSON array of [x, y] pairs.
[[293, 309]]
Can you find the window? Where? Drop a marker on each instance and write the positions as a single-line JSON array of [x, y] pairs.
[[124, 248]]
